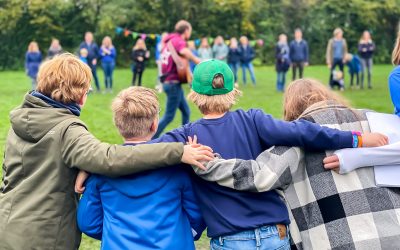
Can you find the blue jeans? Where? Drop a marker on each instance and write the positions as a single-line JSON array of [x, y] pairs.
[[250, 67], [235, 68], [108, 68], [280, 81], [263, 238], [175, 100]]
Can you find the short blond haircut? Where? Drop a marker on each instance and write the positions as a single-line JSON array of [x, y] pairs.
[[134, 110], [216, 103], [303, 93], [64, 78]]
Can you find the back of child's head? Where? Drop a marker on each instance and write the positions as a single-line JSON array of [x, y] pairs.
[[348, 57], [64, 78], [213, 88], [134, 110]]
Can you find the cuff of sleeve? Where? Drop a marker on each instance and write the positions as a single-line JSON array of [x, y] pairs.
[[346, 141], [342, 169]]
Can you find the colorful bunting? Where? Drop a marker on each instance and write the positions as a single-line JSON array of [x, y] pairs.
[[127, 33], [143, 36]]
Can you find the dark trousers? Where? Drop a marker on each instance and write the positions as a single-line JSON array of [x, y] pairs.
[[357, 78], [336, 62], [138, 75], [175, 100], [297, 66], [108, 69], [95, 78]]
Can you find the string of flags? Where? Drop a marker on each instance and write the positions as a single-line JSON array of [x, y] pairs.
[[157, 37]]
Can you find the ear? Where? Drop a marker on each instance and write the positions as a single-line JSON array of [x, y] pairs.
[[154, 126], [82, 100]]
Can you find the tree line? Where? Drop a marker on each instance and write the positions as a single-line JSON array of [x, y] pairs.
[[22, 21]]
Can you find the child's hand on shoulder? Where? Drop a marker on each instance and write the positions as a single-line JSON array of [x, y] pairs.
[[194, 154], [80, 182]]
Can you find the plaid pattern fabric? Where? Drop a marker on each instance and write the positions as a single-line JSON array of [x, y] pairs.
[[327, 210]]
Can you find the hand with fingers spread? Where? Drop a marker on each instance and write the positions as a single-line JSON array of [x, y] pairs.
[[80, 182], [194, 153], [374, 140]]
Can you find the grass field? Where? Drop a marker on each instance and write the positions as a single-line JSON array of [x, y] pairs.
[[97, 115]]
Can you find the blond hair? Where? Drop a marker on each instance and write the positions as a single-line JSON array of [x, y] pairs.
[[33, 47], [140, 44], [303, 93], [64, 78], [337, 31], [107, 42], [135, 110], [396, 51], [215, 103]]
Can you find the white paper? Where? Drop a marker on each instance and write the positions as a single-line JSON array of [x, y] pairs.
[[389, 125]]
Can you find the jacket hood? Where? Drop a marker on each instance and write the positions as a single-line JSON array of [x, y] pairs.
[[170, 36], [35, 118], [141, 184]]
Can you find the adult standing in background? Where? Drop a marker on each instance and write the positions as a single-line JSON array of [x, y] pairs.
[[205, 52], [93, 55], [282, 63], [33, 58], [171, 84], [366, 48], [246, 57], [298, 53], [139, 56], [335, 52], [234, 57], [220, 50], [108, 55], [55, 49]]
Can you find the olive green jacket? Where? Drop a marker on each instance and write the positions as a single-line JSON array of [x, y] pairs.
[[44, 149]]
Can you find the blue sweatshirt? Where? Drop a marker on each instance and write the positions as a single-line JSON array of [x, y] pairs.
[[32, 63], [298, 51], [246, 54], [150, 210], [108, 58], [245, 135], [354, 65], [394, 88]]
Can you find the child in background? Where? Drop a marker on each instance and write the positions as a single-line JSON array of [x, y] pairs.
[[156, 207], [139, 56], [83, 54], [282, 63], [246, 57], [204, 51], [192, 48], [337, 80], [47, 145], [33, 58], [253, 221], [234, 57], [354, 64]]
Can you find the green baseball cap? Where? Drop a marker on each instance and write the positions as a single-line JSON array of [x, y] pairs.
[[204, 74]]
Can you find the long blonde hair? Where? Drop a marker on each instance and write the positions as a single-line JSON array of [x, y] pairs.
[[33, 47], [303, 93], [140, 44], [396, 51], [107, 42]]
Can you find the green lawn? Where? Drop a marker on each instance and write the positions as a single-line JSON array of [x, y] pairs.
[[97, 115]]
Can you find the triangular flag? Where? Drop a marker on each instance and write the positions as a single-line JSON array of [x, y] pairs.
[[143, 36], [152, 36], [119, 30], [126, 32], [134, 35]]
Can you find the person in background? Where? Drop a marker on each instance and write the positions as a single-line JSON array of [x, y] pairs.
[[335, 52], [159, 46], [204, 51], [33, 58], [171, 84], [220, 50], [108, 54], [246, 57], [282, 62], [139, 56], [192, 48], [298, 53], [366, 48], [354, 65], [337, 80], [234, 57], [55, 49], [93, 55], [83, 53]]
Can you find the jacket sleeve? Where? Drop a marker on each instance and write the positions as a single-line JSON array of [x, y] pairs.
[[272, 169], [329, 52], [113, 53], [300, 133], [394, 89], [82, 150], [351, 159], [90, 210], [306, 51], [192, 209], [345, 49]]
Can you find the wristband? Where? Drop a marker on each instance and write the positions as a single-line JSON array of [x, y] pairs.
[[360, 141], [355, 141]]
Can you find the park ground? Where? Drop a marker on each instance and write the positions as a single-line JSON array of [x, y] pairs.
[[97, 113]]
